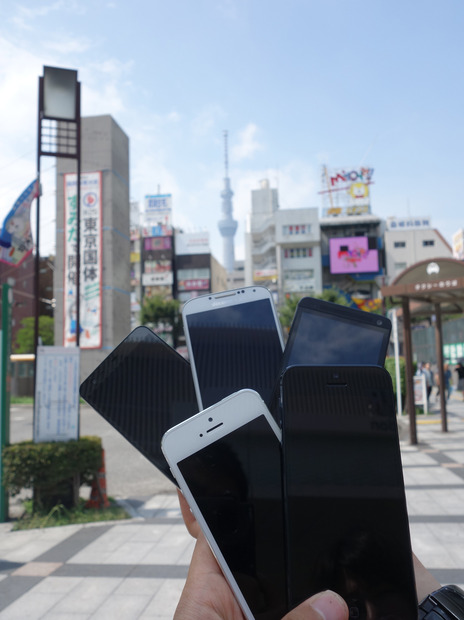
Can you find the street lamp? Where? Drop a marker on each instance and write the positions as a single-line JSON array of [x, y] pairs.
[[59, 135]]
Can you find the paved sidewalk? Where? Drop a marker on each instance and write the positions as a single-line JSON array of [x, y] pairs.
[[136, 569]]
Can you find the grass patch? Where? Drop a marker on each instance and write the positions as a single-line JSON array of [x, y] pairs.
[[21, 400], [59, 515]]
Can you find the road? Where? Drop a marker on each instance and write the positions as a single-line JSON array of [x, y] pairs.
[[128, 473]]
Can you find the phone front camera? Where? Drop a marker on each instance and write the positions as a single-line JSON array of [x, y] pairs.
[[379, 322], [210, 419], [201, 434]]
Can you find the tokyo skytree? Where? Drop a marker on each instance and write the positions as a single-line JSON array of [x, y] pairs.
[[227, 225]]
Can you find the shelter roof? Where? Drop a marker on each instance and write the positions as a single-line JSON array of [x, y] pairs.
[[430, 282]]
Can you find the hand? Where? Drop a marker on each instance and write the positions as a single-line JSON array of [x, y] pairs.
[[207, 595]]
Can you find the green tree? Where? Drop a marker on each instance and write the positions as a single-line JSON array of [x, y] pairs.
[[287, 310], [162, 315], [24, 342], [334, 295]]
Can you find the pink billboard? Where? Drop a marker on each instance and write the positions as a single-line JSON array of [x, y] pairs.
[[353, 255]]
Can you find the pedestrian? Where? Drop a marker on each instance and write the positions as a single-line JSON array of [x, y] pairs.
[[460, 372], [447, 377], [427, 372]]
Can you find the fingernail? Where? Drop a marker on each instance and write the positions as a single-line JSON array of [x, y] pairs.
[[330, 605]]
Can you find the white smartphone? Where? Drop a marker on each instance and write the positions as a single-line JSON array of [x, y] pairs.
[[227, 463], [234, 341]]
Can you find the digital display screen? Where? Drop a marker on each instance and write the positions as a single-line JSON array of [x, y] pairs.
[[353, 255], [236, 482], [347, 523], [235, 347], [323, 338], [143, 388]]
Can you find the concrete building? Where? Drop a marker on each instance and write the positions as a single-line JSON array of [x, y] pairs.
[[105, 243], [260, 247], [298, 248], [409, 240]]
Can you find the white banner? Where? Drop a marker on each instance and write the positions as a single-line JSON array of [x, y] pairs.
[[56, 416], [90, 258]]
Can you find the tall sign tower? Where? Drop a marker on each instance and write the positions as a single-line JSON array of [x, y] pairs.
[[227, 226]]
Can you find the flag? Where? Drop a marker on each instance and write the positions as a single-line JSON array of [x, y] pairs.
[[15, 236]]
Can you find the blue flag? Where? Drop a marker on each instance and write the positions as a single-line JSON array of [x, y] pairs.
[[15, 236]]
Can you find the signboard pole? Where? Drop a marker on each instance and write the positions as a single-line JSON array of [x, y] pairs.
[[5, 378]]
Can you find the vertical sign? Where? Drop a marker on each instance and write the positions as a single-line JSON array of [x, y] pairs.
[[91, 259], [57, 394], [5, 377]]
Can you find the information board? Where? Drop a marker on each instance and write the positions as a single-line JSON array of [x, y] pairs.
[[56, 411]]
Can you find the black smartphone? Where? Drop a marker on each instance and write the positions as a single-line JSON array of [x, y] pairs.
[[143, 388], [346, 517], [323, 332], [326, 333]]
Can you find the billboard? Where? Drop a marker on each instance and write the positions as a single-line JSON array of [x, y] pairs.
[[345, 191], [192, 243], [353, 255], [158, 214], [90, 336]]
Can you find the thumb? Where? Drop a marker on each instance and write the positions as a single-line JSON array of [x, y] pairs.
[[327, 605]]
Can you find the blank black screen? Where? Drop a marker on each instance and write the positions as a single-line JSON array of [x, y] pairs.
[[236, 483], [235, 347], [143, 388], [321, 338], [347, 523]]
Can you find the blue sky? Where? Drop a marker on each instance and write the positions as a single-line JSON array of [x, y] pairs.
[[297, 84]]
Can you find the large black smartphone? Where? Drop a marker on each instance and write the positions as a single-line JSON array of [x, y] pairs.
[[142, 389], [323, 332], [346, 518], [326, 333]]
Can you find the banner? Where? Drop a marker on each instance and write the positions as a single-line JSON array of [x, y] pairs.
[[15, 236], [90, 336]]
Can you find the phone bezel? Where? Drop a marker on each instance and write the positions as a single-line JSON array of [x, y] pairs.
[[192, 435], [213, 301]]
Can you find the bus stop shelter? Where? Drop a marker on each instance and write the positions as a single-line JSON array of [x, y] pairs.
[[427, 288]]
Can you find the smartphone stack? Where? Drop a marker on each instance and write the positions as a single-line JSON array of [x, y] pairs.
[[306, 498]]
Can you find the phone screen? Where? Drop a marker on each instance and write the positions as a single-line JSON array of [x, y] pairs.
[[236, 482], [347, 523], [325, 333], [235, 347], [143, 388]]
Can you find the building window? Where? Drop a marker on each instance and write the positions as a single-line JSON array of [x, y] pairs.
[[298, 252], [428, 242], [399, 244], [296, 229], [400, 267]]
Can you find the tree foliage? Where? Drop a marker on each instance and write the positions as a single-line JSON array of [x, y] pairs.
[[162, 315], [24, 342], [287, 310]]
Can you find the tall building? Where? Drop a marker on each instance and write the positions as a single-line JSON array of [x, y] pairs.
[[105, 243], [227, 226], [260, 248]]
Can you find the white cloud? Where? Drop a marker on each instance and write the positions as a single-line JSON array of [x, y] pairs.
[[247, 144]]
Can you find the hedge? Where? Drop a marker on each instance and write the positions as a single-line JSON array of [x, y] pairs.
[[54, 470]]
